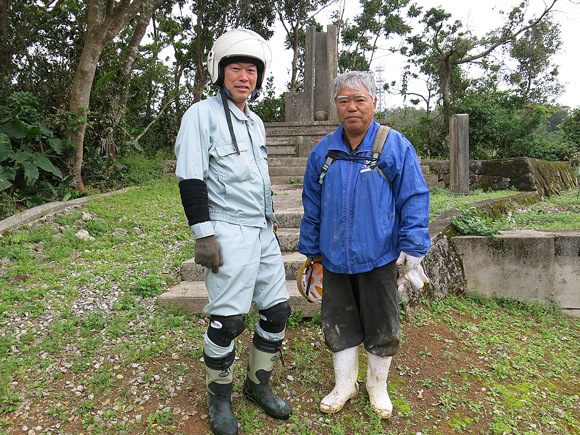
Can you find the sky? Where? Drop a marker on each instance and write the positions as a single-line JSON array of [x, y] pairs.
[[478, 16]]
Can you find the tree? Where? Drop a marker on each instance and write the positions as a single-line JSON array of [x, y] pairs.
[[295, 16], [500, 124], [105, 19], [5, 51], [269, 107], [378, 19], [443, 47], [123, 75], [41, 48], [571, 127], [535, 77]]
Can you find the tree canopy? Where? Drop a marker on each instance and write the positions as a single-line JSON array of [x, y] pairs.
[[84, 83]]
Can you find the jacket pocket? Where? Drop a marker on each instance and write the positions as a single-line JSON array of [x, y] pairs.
[[231, 166]]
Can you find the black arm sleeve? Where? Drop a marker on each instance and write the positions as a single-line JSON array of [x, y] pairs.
[[194, 199]]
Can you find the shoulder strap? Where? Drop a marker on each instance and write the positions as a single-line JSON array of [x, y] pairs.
[[330, 157], [379, 143], [229, 118]]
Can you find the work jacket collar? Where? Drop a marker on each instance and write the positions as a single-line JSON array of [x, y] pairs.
[[241, 116], [366, 145]]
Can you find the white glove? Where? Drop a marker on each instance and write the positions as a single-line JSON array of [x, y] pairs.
[[415, 276], [408, 262]]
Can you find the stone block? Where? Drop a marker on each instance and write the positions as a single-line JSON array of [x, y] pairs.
[[506, 167], [525, 265]]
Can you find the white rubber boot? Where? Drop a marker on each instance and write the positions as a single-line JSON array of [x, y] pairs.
[[345, 386], [378, 370]]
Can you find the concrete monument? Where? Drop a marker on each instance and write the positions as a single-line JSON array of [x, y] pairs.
[[315, 102]]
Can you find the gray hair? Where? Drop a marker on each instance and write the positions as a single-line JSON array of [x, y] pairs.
[[356, 80]]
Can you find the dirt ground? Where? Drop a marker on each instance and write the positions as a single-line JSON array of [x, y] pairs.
[[428, 352]]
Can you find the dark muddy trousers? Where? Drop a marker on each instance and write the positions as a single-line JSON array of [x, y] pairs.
[[362, 308]]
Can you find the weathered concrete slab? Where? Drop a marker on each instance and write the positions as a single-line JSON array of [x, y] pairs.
[[274, 162], [288, 206], [191, 296], [525, 265], [288, 238], [190, 271], [291, 180], [291, 171]]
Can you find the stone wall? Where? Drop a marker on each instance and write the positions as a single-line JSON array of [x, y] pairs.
[[444, 263], [525, 265], [523, 174]]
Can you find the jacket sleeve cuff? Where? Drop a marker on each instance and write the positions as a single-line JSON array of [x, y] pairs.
[[202, 229]]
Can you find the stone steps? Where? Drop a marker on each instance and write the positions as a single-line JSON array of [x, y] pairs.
[[295, 129], [287, 171], [191, 296], [282, 150], [275, 162], [190, 271]]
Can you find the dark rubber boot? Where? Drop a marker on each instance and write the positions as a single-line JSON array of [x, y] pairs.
[[263, 356], [219, 378]]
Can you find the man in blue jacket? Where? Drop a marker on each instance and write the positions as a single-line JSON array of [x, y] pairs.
[[363, 224]]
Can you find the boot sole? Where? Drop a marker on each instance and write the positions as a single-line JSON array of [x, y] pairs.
[[383, 413], [329, 410], [270, 413]]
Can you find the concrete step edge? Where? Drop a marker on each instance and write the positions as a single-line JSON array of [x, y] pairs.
[[192, 272], [192, 297]]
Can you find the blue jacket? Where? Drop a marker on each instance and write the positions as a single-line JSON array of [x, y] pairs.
[[356, 220]]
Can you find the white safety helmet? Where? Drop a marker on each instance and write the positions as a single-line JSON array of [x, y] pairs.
[[237, 45]]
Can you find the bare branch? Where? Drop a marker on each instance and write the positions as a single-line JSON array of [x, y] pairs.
[[505, 39], [155, 119]]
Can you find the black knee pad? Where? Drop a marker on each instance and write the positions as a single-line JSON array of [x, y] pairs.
[[274, 318], [223, 329]]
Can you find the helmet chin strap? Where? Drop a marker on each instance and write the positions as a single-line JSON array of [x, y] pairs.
[[255, 94], [224, 93]]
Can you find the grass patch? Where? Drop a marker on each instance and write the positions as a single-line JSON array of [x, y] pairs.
[[557, 213], [443, 200], [85, 349]]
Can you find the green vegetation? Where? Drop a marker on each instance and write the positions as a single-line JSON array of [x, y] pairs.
[[472, 221], [561, 212], [442, 200], [83, 344]]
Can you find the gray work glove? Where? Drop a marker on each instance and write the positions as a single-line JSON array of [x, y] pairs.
[[208, 253]]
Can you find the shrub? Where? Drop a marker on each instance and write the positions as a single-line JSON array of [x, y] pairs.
[[30, 156], [472, 221]]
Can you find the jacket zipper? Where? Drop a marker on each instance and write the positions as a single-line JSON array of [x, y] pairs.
[[348, 191]]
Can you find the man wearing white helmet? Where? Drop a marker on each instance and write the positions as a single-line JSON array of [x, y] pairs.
[[226, 194]]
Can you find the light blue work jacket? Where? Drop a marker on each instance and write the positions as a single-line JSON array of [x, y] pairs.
[[238, 185]]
